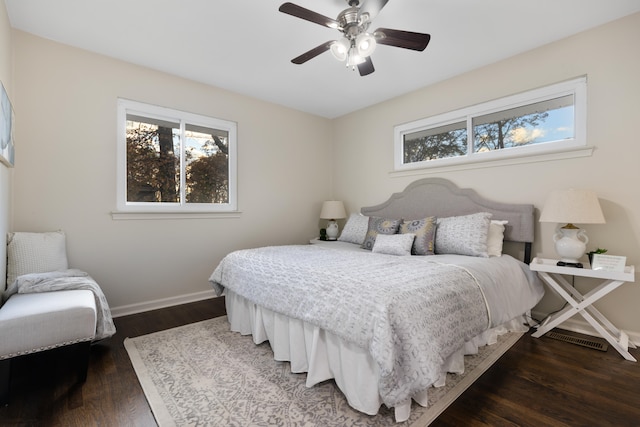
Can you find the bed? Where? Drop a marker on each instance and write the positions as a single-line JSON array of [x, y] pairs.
[[384, 326]]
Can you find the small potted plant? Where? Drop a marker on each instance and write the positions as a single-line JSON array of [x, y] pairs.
[[597, 251]]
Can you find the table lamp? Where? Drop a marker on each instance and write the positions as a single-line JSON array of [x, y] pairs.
[[332, 210], [569, 207]]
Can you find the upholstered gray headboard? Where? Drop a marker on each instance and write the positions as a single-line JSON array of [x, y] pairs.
[[442, 198]]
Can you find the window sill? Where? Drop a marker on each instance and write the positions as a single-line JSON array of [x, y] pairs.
[[122, 215], [478, 164]]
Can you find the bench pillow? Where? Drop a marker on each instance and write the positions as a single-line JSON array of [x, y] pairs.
[[35, 253]]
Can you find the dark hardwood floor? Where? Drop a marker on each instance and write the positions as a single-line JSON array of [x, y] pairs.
[[538, 382]]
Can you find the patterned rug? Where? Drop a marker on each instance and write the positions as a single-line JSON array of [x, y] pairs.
[[202, 374]]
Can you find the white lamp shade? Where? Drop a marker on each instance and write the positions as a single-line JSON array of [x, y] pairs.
[[333, 209], [340, 48], [366, 44], [354, 57], [569, 207], [573, 207]]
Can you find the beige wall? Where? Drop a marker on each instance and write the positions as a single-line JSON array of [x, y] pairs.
[[609, 56], [65, 100], [66, 172], [5, 173]]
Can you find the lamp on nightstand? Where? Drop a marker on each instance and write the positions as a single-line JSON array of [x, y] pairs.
[[569, 207], [332, 210]]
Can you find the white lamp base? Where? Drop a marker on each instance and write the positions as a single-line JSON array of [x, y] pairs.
[[571, 243], [332, 230]]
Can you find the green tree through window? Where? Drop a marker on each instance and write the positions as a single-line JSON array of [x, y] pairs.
[[180, 162], [544, 120]]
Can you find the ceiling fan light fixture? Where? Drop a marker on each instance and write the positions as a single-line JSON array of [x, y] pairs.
[[366, 44], [354, 58], [340, 49], [356, 44]]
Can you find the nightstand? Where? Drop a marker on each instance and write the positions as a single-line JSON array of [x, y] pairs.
[[583, 304], [317, 241]]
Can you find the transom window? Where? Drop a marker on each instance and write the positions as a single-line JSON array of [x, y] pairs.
[[173, 161], [539, 121]]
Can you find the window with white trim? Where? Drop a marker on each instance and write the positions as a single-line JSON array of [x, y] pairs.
[[174, 161], [545, 120]]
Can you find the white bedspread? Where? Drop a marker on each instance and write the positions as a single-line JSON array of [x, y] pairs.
[[409, 313]]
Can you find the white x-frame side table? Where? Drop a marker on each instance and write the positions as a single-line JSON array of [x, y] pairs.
[[582, 304]]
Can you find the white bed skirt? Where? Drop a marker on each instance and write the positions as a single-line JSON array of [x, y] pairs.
[[323, 355]]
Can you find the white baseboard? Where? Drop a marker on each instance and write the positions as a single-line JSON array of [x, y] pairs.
[[125, 310], [583, 327]]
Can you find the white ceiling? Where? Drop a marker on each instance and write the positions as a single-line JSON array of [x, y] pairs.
[[246, 46]]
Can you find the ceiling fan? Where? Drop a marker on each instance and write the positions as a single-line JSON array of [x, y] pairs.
[[356, 44]]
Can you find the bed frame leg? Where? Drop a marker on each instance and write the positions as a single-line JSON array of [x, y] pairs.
[[527, 253], [83, 351]]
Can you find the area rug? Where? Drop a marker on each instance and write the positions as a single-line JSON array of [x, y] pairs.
[[202, 374]]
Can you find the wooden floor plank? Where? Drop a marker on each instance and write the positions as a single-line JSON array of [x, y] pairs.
[[538, 382]]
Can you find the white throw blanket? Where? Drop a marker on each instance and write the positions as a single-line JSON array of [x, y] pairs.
[[67, 280], [416, 313]]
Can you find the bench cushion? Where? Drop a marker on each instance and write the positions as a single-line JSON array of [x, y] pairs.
[[40, 321]]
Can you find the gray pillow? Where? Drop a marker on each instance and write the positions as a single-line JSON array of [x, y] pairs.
[[377, 226], [463, 235], [425, 231]]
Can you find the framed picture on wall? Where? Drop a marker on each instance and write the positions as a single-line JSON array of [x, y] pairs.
[[7, 148]]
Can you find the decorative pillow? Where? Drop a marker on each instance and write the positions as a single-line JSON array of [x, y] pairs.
[[377, 226], [425, 231], [35, 253], [393, 244], [355, 230], [463, 235], [496, 237]]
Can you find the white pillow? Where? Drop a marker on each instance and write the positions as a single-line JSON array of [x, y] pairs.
[[355, 229], [496, 237], [463, 235], [393, 244], [35, 253]]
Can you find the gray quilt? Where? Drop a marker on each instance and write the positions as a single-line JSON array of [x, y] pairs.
[[410, 313], [67, 280]]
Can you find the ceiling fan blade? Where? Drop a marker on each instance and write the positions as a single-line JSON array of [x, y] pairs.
[[312, 53], [372, 8], [366, 67], [308, 15], [403, 39]]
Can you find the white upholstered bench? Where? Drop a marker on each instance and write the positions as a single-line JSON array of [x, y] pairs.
[[30, 323], [34, 322]]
